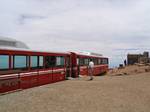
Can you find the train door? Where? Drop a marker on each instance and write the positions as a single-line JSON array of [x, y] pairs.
[[78, 66], [68, 65], [73, 61]]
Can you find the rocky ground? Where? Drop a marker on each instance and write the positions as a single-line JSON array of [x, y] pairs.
[[122, 90], [129, 70]]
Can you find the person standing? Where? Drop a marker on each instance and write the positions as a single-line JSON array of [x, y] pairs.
[[91, 68], [125, 63]]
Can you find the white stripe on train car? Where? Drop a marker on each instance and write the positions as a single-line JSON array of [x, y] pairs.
[[42, 72], [28, 74], [9, 76], [58, 70], [32, 73], [51, 71], [84, 67], [45, 72]]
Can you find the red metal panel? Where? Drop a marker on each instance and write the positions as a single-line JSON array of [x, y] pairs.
[[61, 77], [95, 71], [83, 71], [45, 78], [34, 80], [54, 78], [98, 70], [28, 80], [9, 83], [25, 82], [58, 74]]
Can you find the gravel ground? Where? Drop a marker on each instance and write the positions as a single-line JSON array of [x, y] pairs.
[[129, 93]]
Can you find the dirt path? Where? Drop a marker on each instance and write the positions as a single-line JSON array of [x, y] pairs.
[[103, 94]]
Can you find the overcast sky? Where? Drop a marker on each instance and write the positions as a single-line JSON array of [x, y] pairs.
[[110, 27]]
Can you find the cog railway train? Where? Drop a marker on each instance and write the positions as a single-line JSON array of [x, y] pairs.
[[22, 69]]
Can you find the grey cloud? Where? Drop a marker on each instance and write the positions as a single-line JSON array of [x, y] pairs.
[[24, 17]]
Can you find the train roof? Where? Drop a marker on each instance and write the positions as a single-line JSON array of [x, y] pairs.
[[42, 51], [89, 54], [30, 50]]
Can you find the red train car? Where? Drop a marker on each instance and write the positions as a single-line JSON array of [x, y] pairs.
[[22, 69], [80, 64]]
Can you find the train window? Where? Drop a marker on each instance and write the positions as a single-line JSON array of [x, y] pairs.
[[4, 62], [77, 61], [34, 61], [81, 61], [50, 61], [20, 61], [28, 59], [102, 61], [41, 61], [86, 61], [105, 61], [94, 60], [67, 61], [99, 61], [60, 61], [12, 60]]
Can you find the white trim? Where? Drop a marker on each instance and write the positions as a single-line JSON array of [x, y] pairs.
[[9, 76]]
